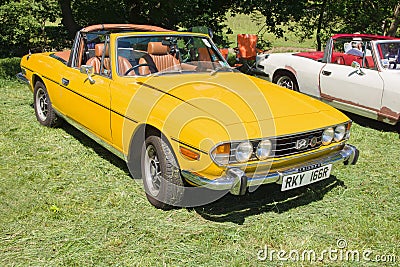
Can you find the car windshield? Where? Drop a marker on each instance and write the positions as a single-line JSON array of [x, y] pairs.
[[389, 54], [168, 54]]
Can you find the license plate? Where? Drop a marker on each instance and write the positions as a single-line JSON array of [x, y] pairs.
[[304, 178]]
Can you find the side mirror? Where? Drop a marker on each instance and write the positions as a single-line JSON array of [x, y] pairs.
[[357, 66], [89, 71], [210, 33]]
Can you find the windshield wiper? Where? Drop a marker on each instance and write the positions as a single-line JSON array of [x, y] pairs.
[[166, 72], [223, 68]]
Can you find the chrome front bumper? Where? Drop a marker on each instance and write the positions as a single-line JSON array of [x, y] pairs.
[[236, 181], [22, 78]]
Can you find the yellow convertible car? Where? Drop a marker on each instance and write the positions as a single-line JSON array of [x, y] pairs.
[[185, 122]]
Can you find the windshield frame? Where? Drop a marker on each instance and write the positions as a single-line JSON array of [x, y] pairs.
[[386, 62], [218, 62]]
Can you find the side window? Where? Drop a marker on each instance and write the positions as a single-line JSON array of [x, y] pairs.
[[389, 54], [347, 51], [97, 53], [78, 51], [368, 61], [93, 49], [340, 47]]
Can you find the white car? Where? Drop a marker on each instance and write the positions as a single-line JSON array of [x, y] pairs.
[[359, 73]]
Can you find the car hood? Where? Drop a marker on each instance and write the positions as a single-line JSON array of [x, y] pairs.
[[234, 98]]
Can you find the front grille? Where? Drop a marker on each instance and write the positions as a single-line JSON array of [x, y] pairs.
[[287, 145]]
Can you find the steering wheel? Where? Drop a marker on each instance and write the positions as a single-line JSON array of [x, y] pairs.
[[137, 66]]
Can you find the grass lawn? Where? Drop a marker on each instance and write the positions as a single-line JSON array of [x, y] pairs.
[[65, 201]]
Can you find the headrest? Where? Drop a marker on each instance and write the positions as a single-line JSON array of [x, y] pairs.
[[157, 48], [98, 50]]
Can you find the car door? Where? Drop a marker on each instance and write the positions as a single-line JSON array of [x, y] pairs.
[[86, 102], [390, 110], [352, 89]]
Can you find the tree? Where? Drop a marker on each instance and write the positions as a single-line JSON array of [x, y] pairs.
[[67, 18], [27, 21], [321, 18], [172, 14], [367, 16], [279, 14], [24, 24], [395, 23]]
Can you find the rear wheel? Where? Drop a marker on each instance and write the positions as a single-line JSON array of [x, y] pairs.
[[286, 80], [44, 111], [160, 173]]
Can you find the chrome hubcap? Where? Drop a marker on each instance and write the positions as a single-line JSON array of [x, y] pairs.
[[285, 81], [41, 104], [152, 171]]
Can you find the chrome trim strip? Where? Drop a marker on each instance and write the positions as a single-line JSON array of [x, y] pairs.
[[89, 99], [23, 67], [22, 78], [186, 144], [93, 136], [348, 155]]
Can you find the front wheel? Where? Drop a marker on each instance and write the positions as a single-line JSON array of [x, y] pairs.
[[287, 81], [44, 111], [160, 173]]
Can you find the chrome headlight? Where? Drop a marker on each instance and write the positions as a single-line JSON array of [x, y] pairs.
[[264, 149], [340, 132], [221, 154], [244, 151], [327, 136]]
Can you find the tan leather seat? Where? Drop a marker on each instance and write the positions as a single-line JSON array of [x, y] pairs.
[[124, 65], [204, 55], [96, 60], [161, 58]]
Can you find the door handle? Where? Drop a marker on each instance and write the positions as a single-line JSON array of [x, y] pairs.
[[326, 73], [64, 81]]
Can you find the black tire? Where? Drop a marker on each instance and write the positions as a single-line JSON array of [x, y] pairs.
[[44, 111], [161, 175], [286, 80]]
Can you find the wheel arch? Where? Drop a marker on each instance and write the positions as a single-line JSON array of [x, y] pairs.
[[280, 72], [136, 145], [36, 78]]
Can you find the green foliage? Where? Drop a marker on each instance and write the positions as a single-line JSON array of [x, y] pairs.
[[26, 23], [321, 18], [372, 16], [9, 67], [97, 12], [278, 13], [232, 59], [173, 14], [56, 38], [23, 24], [253, 24]]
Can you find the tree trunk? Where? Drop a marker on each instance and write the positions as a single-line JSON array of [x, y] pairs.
[[396, 20], [67, 18], [319, 26]]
